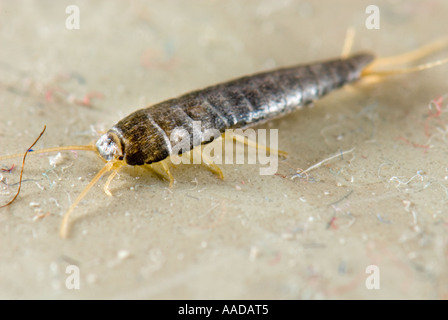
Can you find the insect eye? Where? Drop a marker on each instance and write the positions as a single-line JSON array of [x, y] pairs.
[[120, 158]]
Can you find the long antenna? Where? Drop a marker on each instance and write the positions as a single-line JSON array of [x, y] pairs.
[[88, 147], [23, 166]]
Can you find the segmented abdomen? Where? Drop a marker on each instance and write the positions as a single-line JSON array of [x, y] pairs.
[[240, 103]]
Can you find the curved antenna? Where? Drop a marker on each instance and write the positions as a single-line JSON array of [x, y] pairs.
[[112, 165], [23, 166]]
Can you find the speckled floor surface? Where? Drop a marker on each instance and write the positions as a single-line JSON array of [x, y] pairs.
[[249, 236]]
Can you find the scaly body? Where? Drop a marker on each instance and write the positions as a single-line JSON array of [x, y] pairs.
[[143, 137]]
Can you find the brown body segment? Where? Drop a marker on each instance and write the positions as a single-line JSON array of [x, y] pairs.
[[145, 135]]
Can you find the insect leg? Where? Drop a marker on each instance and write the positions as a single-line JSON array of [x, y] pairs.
[[209, 163], [166, 168], [113, 165], [162, 170], [109, 180], [250, 143]]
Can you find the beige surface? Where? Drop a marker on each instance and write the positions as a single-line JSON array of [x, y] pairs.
[[248, 236]]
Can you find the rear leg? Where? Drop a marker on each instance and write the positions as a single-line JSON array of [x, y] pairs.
[[162, 169], [206, 161], [250, 143]]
